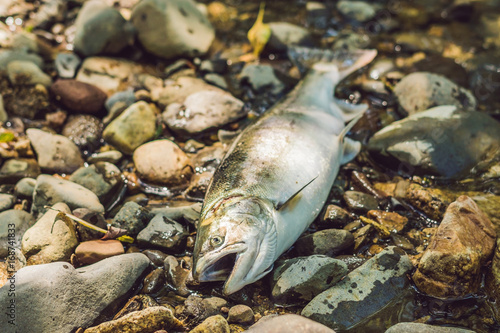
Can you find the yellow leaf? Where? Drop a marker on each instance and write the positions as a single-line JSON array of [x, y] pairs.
[[259, 33]]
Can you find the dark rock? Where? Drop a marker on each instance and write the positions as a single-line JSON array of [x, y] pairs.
[[360, 202], [132, 218], [164, 233], [78, 97], [154, 281], [327, 242], [334, 216]]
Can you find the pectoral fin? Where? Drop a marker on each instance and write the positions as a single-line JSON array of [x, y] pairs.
[[350, 147], [349, 111], [288, 199]]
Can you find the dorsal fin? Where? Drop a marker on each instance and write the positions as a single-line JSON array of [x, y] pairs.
[[280, 205]]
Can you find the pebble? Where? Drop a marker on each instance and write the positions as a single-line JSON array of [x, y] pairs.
[[76, 296], [424, 328], [334, 216], [50, 190], [163, 233], [240, 314], [171, 167], [189, 212], [202, 308], [288, 323], [22, 72], [126, 97], [56, 153], [284, 35], [102, 178], [360, 202], [177, 91], [16, 169], [154, 281], [213, 324], [261, 78], [350, 41], [420, 91], [216, 80], [97, 219], [101, 30], [317, 14], [27, 101], [22, 221], [7, 56], [177, 272], [327, 242], [111, 156], [419, 41], [78, 97], [357, 10], [380, 282], [84, 130], [157, 257], [462, 244], [202, 111], [6, 201], [92, 251], [67, 65], [135, 126], [132, 217], [392, 221], [25, 188], [49, 239], [172, 28], [301, 279]]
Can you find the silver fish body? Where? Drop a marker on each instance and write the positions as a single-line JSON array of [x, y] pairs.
[[275, 179]]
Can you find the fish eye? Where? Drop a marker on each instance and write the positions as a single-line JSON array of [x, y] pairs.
[[216, 241]]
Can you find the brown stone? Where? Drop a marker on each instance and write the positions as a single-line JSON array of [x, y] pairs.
[[92, 251], [392, 221], [240, 314], [463, 242], [79, 97], [432, 202]]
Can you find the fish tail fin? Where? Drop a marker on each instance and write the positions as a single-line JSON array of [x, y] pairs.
[[345, 61], [350, 148]]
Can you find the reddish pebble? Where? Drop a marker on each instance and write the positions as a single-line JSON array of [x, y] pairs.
[[79, 97], [92, 251]]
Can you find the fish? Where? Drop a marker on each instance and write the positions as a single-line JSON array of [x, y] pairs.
[[276, 176]]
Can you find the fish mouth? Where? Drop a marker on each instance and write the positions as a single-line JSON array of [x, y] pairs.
[[218, 266]]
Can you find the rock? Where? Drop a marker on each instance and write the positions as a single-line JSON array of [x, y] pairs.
[[202, 111], [334, 216], [135, 126], [7, 56], [50, 190], [164, 233], [78, 97], [97, 219], [240, 314], [201, 309], [420, 91], [101, 29], [357, 10], [157, 257], [132, 218], [189, 212], [13, 222], [126, 97], [92, 251], [380, 282], [66, 65], [432, 201], [440, 141], [84, 130], [49, 239], [392, 221], [171, 167], [172, 28], [149, 320], [177, 272], [102, 178], [462, 244], [154, 281], [82, 293], [488, 26], [317, 14], [424, 328], [108, 74], [288, 323], [360, 202], [284, 34], [3, 114], [261, 78], [112, 156], [327, 242], [9, 267], [21, 72], [26, 101], [177, 91], [216, 80], [15, 169], [199, 185], [6, 201], [420, 41], [25, 188], [55, 153], [303, 278], [213, 324]]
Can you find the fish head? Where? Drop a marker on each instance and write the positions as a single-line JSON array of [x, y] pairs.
[[236, 242]]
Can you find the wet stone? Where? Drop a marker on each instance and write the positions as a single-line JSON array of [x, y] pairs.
[[288, 323], [334, 216], [50, 190], [78, 97], [462, 244], [82, 293], [132, 217], [156, 256], [164, 233], [392, 221], [84, 130], [24, 188], [380, 282], [261, 78], [213, 324], [326, 242], [22, 221], [360, 202], [15, 169], [177, 272], [92, 251], [240, 314], [154, 281], [200, 309], [56, 153], [301, 279], [67, 65]]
